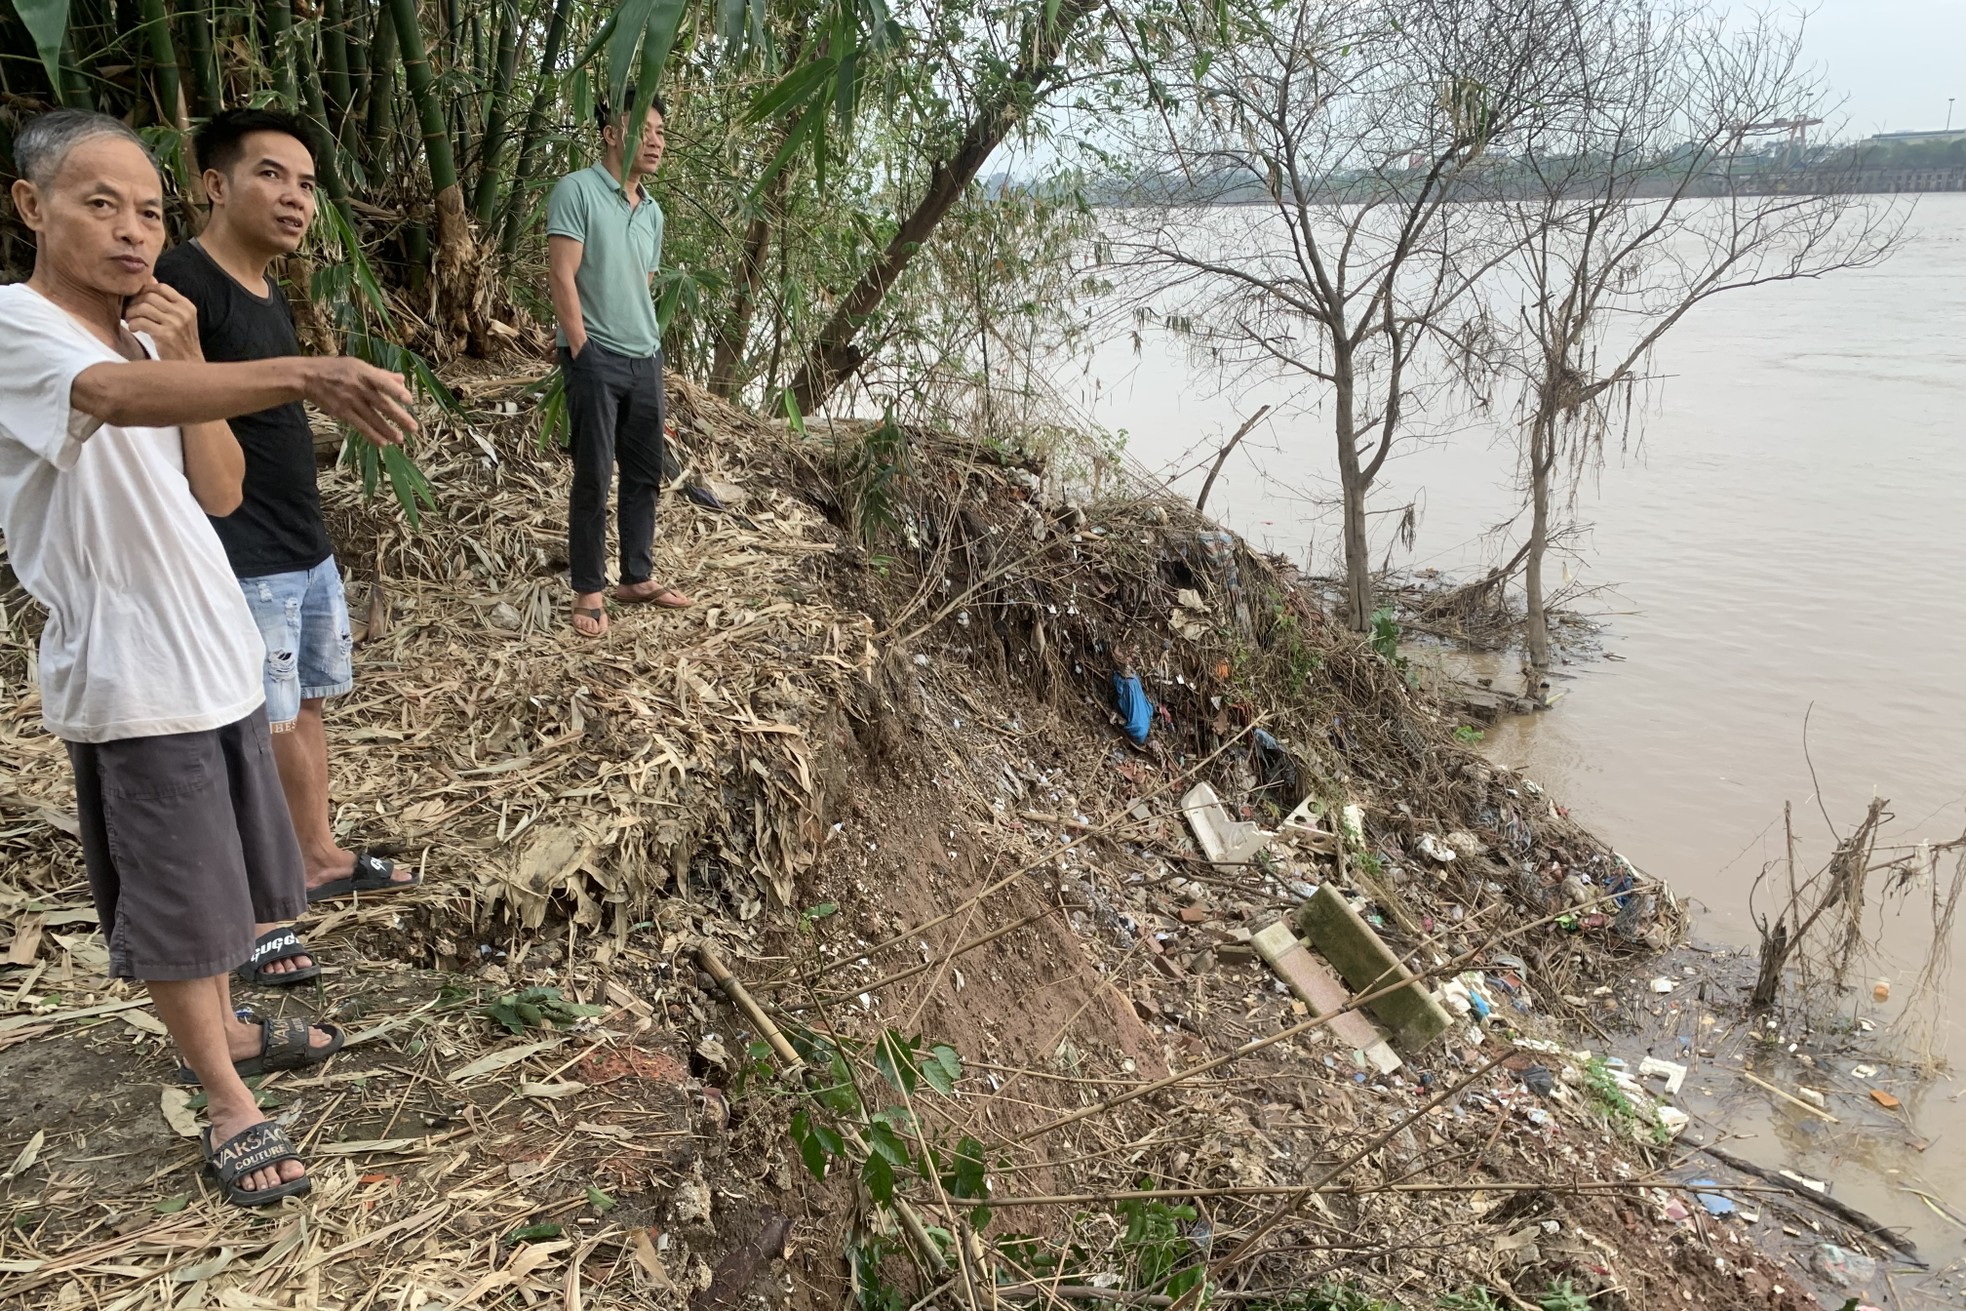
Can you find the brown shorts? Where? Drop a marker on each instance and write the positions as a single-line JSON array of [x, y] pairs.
[[188, 844]]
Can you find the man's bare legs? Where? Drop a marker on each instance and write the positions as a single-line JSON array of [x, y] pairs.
[[198, 1012], [301, 752]]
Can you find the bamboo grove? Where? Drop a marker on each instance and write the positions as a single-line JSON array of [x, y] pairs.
[[825, 184]]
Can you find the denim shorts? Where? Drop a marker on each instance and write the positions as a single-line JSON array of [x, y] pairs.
[[303, 619]]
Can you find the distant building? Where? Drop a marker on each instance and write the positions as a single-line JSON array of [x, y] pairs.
[[1920, 138]]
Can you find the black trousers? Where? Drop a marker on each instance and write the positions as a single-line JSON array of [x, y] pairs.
[[615, 411]]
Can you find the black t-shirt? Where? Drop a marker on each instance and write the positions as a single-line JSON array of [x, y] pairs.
[[277, 528]]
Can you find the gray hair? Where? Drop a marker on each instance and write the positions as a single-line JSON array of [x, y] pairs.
[[45, 144]]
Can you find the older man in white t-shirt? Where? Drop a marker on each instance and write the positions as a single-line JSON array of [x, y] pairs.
[[113, 449]]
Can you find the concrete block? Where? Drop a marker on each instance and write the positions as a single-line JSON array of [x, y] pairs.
[[1368, 965], [1313, 982]]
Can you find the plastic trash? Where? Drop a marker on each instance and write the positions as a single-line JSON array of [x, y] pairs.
[[1847, 1268], [1134, 707], [1662, 985], [1276, 772], [1537, 1079], [1716, 1203], [1673, 1073]]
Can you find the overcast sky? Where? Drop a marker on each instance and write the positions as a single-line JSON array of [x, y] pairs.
[[1896, 60]]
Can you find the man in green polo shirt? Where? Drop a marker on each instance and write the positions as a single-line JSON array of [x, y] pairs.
[[604, 242]]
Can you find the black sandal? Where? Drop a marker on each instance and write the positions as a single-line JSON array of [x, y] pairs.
[[252, 1150], [372, 873], [283, 1045], [278, 945]]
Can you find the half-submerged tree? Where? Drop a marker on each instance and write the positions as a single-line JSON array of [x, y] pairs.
[[1304, 211], [1638, 208]]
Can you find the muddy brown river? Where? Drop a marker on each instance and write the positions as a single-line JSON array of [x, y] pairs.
[[1785, 537]]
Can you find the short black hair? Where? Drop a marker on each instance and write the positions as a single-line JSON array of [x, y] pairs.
[[607, 117], [222, 140]]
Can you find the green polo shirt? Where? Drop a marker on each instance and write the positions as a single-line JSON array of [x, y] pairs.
[[620, 247]]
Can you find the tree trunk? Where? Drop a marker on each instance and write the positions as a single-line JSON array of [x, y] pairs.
[[517, 201], [1541, 459], [727, 369], [833, 356], [484, 203], [1358, 550]]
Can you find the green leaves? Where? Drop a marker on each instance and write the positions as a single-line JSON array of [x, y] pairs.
[[535, 1008], [890, 1146], [942, 1067], [818, 1145], [340, 283], [47, 23], [541, 1233]]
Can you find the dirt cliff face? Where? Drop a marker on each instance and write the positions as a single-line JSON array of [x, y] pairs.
[[877, 771]]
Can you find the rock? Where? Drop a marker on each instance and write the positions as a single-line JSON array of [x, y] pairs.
[[504, 616], [689, 1204]]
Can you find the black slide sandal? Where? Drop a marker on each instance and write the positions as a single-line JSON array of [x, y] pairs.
[[372, 873], [278, 945], [252, 1150], [283, 1045]]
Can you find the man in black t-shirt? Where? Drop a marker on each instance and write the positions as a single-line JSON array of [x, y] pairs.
[[259, 177]]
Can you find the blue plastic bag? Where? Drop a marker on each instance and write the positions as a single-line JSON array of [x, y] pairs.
[[1134, 708]]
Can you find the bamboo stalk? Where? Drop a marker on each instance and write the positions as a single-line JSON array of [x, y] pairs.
[[204, 69], [422, 84], [484, 201], [741, 998], [334, 65], [534, 132], [279, 20], [380, 124], [164, 66], [1792, 1100]]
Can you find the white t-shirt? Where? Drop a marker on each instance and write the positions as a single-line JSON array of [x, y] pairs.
[[148, 632]]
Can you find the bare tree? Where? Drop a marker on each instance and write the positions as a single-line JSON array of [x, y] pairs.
[[1303, 216], [1639, 207]]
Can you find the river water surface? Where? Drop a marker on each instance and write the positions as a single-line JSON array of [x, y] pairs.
[[1788, 531]]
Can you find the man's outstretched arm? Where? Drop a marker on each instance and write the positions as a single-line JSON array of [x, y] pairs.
[[163, 393]]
